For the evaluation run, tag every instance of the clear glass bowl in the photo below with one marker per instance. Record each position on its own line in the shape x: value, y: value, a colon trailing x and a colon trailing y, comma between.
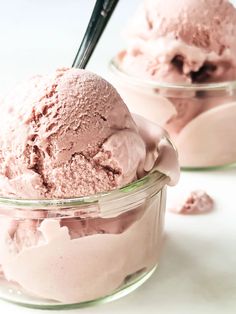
x: 81, y: 251
x: 200, y: 118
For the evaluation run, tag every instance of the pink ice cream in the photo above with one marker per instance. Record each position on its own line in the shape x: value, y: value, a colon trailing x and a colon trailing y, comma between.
x: 59, y: 136
x: 197, y: 202
x: 56, y: 265
x: 186, y: 42
x: 70, y: 134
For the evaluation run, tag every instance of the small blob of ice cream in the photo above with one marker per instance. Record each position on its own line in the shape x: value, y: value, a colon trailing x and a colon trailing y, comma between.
x: 197, y: 202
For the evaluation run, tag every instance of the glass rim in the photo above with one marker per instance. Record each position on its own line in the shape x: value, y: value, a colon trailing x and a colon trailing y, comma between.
x: 136, y: 81
x: 130, y: 189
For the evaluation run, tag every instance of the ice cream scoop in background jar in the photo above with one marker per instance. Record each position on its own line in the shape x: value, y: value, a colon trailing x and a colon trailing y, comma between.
x: 83, y: 188
x: 179, y: 70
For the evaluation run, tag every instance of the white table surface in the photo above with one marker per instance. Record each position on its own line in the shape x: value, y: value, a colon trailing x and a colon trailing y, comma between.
x: 197, y: 272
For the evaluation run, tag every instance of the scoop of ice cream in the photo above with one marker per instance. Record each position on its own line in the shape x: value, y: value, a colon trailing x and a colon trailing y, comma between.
x: 67, y: 134
x: 182, y: 41
x: 55, y: 135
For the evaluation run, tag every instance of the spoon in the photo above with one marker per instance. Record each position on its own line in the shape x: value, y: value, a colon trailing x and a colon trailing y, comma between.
x: 100, y: 16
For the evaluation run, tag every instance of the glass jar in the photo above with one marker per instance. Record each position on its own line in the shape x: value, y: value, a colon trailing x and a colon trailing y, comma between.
x: 200, y: 118
x: 74, y: 252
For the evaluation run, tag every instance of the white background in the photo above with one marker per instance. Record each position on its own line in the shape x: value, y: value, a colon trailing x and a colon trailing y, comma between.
x: 39, y: 36
x: 197, y: 272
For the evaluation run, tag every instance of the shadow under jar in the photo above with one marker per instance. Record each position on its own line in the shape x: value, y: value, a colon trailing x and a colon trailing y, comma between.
x: 81, y: 251
x: 200, y: 118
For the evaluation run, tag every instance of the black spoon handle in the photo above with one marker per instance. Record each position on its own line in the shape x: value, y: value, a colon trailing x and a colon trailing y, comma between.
x: 101, y: 14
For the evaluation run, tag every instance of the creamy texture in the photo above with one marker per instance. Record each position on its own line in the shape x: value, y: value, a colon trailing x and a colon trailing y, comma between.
x: 184, y: 42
